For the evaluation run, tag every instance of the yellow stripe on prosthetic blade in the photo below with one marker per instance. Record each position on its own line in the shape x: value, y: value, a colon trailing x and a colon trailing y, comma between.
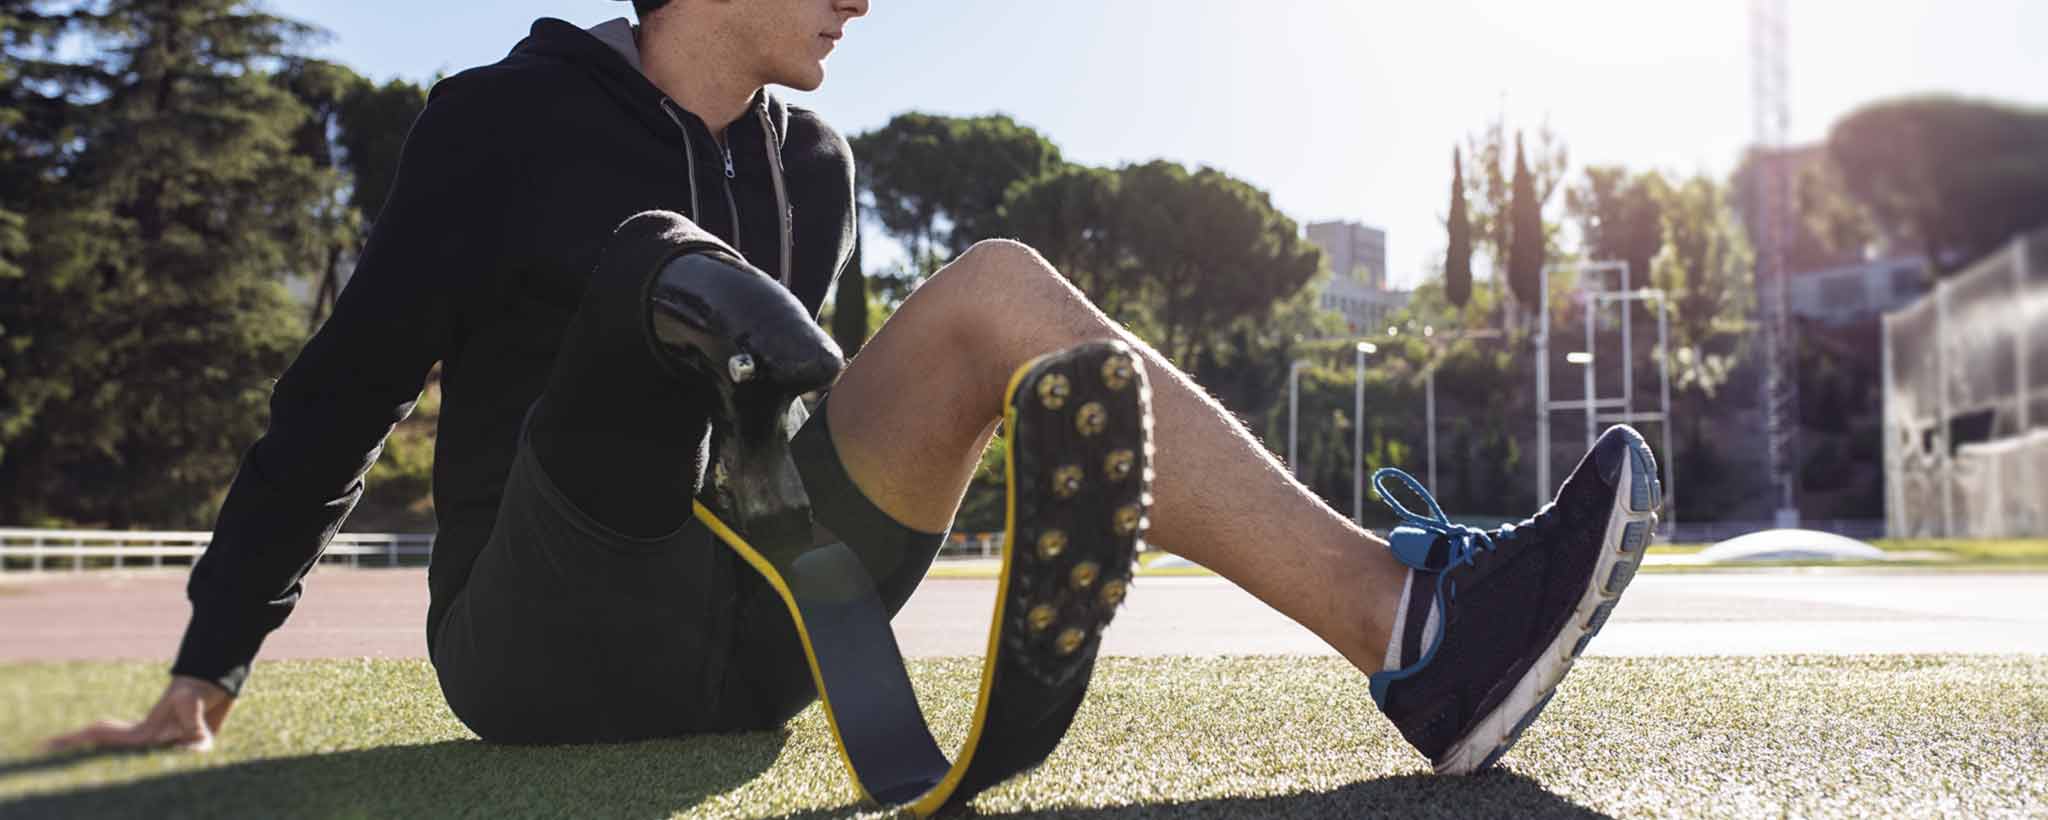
x: 767, y: 569
x: 936, y: 797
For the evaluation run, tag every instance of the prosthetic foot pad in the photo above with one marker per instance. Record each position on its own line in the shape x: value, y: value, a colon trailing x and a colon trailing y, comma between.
x: 1078, y: 428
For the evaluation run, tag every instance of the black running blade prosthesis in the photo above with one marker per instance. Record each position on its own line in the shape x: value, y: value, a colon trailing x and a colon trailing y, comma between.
x: 1078, y: 428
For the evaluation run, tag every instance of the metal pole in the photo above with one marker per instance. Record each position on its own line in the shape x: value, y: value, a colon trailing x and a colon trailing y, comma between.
x: 1628, y: 350
x: 2020, y: 273
x: 1429, y: 412
x: 1664, y: 388
x: 37, y: 565
x: 1358, y: 439
x: 1946, y: 472
x: 1592, y: 306
x: 1894, y: 495
x: 1293, y: 417
x: 1543, y: 392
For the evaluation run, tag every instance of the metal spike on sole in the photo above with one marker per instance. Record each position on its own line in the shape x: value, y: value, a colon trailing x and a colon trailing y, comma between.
x: 1085, y: 524
x: 1053, y: 391
x: 1050, y: 544
x: 1092, y: 419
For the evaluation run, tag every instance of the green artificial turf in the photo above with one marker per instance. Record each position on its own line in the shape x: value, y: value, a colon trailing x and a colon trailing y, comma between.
x: 1252, y: 737
x: 1943, y: 555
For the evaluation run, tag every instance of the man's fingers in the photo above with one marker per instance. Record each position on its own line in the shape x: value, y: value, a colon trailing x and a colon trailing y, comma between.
x: 193, y: 731
x: 104, y: 734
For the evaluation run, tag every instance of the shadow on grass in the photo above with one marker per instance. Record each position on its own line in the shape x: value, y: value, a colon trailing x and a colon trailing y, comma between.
x: 12, y: 768
x: 1502, y: 793
x: 469, y: 778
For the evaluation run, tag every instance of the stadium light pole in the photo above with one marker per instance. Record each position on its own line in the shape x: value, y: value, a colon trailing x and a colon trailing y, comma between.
x: 1358, y: 434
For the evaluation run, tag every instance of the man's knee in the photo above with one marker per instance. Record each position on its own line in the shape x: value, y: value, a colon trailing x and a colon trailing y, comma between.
x: 997, y: 276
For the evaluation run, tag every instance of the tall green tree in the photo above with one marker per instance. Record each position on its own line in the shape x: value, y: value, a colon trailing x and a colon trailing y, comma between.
x: 1828, y: 226
x: 1458, y: 259
x: 1620, y: 216
x: 1706, y: 266
x: 374, y: 121
x: 1212, y: 249
x: 850, y: 305
x: 1957, y: 176
x: 357, y: 128
x: 1068, y: 215
x: 938, y: 182
x: 323, y: 88
x: 151, y: 314
x: 1528, y: 242
x: 1489, y: 188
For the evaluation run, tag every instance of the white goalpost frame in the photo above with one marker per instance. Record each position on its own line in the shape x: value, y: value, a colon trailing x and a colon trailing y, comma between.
x: 1591, y: 403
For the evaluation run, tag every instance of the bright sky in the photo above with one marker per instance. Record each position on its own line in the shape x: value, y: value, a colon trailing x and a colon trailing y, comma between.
x: 1343, y: 109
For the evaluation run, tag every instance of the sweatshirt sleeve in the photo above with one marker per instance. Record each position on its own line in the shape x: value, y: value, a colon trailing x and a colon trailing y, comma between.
x: 441, y: 228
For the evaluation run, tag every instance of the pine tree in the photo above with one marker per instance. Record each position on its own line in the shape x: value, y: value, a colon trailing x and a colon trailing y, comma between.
x: 158, y: 249
x: 1525, y: 251
x: 1458, y: 261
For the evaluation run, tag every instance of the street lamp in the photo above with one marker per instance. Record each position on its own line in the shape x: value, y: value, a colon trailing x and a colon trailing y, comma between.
x: 1358, y: 434
x: 1584, y: 359
x: 1294, y: 415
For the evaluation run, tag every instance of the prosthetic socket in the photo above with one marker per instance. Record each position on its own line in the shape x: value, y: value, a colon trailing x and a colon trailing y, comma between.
x: 729, y: 325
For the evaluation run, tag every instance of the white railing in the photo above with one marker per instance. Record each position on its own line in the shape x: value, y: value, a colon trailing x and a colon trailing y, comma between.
x: 37, y: 550
x: 972, y: 545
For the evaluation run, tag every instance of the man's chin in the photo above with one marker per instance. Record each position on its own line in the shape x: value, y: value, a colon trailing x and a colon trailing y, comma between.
x: 809, y: 78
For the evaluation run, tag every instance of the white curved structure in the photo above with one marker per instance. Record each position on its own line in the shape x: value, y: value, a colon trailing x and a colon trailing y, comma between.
x: 1791, y: 545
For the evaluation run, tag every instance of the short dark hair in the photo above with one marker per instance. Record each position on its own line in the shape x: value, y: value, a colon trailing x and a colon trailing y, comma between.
x: 647, y: 7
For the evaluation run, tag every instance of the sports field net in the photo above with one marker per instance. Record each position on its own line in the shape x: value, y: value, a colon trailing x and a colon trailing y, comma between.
x: 1966, y: 401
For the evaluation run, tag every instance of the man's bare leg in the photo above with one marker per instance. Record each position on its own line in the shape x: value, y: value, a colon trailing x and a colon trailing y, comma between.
x: 913, y: 411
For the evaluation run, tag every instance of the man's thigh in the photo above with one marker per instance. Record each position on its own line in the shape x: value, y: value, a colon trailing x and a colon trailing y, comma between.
x: 568, y: 632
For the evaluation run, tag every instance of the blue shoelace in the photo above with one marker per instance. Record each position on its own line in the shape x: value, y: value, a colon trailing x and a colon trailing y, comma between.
x: 1411, y: 542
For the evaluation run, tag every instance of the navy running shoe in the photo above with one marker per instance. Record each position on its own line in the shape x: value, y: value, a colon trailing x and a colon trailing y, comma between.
x: 1491, y: 620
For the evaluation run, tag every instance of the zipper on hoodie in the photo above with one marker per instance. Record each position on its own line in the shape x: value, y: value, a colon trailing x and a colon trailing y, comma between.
x: 732, y: 205
x: 731, y: 172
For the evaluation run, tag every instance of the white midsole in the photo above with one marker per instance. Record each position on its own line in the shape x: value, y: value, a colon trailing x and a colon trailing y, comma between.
x: 1549, y: 669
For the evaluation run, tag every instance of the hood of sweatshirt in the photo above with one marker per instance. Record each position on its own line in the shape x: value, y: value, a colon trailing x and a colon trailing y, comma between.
x: 609, y: 53
x: 609, y: 57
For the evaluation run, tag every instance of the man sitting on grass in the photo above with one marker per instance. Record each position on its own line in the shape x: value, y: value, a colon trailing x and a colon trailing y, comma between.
x: 574, y: 598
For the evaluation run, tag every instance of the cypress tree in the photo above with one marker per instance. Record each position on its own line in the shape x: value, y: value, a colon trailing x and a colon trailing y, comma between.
x: 850, y: 308
x: 1458, y: 262
x: 152, y: 312
x: 1525, y: 251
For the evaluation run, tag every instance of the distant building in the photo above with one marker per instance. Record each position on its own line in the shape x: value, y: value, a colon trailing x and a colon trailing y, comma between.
x: 1357, y: 287
x: 1828, y: 284
x: 1857, y: 291
x: 1355, y: 251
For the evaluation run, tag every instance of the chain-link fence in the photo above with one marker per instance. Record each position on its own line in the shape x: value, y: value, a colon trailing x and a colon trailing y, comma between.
x: 1966, y: 401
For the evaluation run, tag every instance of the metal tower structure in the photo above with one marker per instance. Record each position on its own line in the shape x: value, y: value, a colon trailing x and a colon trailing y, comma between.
x: 1771, y: 113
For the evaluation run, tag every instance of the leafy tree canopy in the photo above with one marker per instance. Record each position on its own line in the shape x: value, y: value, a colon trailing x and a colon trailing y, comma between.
x: 168, y: 202
x: 1957, y: 176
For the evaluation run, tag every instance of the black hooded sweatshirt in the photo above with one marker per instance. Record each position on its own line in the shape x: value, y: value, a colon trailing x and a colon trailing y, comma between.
x: 511, y: 182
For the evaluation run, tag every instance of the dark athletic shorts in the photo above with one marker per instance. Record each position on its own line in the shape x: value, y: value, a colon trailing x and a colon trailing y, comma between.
x: 569, y: 632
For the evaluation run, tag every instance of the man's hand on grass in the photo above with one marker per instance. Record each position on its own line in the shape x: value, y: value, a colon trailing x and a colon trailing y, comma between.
x: 188, y: 716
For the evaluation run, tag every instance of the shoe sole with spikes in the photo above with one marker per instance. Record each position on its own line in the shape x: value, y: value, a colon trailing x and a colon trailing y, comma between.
x: 1078, y: 429
x: 1638, y: 494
